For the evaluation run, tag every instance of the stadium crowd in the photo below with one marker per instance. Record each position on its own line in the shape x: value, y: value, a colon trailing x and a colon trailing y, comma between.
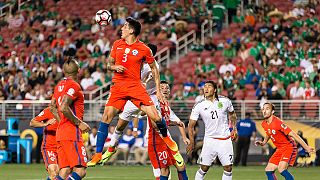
x: 35, y: 41
x: 264, y: 54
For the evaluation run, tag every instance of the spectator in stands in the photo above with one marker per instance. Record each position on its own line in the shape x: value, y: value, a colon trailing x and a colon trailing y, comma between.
x: 139, y: 149
x: 87, y: 81
x: 167, y: 76
x: 97, y: 75
x: 228, y: 81
x: 2, y: 95
x: 276, y: 61
x: 15, y: 95
x: 217, y: 14
x: 316, y: 82
x: 229, y: 51
x: 227, y: 66
x: 13, y: 60
x: 271, y: 50
x: 252, y: 76
x: 209, y: 46
x: 188, y: 84
x: 55, y: 72
x: 92, y: 141
x: 275, y: 95
x: 308, y: 91
x: 296, y: 91
x: 200, y: 97
x: 238, y: 18
x: 263, y: 90
x: 125, y: 144
x: 243, y: 53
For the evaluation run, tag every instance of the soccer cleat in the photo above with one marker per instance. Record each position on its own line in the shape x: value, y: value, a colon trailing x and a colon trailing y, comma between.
x: 107, y: 155
x: 171, y: 143
x: 179, y: 159
x: 96, y: 159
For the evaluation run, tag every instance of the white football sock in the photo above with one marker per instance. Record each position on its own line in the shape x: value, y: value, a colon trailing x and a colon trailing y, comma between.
x: 227, y: 175
x: 200, y: 174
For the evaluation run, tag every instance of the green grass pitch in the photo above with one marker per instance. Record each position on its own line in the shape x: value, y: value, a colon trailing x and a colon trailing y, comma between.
x: 37, y: 172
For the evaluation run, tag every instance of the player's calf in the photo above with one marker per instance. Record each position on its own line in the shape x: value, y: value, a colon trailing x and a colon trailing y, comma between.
x: 53, y: 171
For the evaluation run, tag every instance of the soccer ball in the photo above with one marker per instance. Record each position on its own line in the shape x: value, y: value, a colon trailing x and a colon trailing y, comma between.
x: 103, y: 17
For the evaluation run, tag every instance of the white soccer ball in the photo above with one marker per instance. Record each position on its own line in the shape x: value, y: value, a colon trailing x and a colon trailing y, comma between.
x: 103, y: 17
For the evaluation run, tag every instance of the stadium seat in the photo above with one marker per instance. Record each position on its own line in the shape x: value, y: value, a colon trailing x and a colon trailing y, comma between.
x: 239, y: 94
x: 295, y: 110
x: 249, y: 87
x: 311, y: 110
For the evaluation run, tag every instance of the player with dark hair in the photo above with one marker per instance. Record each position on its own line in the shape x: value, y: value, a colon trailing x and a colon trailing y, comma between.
x: 68, y: 105
x: 215, y: 112
x: 126, y: 58
x: 49, y: 144
x: 283, y: 138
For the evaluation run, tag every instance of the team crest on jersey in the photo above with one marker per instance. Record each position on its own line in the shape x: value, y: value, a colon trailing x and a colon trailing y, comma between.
x: 273, y: 131
x: 164, y: 162
x: 70, y: 92
x: 220, y: 105
x: 135, y: 52
x: 127, y: 50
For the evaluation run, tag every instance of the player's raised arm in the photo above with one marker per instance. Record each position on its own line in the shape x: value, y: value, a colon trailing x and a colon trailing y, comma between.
x: 66, y: 111
x: 38, y: 121
x: 54, y: 109
x: 156, y: 76
x: 301, y: 141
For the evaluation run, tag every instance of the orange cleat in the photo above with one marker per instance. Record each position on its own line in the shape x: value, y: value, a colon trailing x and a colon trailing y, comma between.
x: 96, y: 159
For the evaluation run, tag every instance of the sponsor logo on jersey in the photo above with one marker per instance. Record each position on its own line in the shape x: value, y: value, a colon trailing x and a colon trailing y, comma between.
x: 127, y: 50
x: 135, y: 52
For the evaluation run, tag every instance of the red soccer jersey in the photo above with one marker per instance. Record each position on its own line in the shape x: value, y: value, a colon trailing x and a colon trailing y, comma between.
x: 66, y: 129
x: 131, y: 57
x: 278, y: 133
x: 153, y: 135
x: 49, y: 132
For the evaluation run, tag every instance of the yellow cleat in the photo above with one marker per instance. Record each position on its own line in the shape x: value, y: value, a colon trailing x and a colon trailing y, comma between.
x: 96, y: 159
x: 179, y: 159
x: 107, y: 155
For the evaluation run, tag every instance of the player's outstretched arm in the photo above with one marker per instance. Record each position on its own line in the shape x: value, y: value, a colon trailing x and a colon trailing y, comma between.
x: 66, y: 111
x: 262, y: 143
x: 191, y: 126
x: 156, y: 76
x: 301, y: 142
x: 35, y: 123
x: 54, y: 109
x: 181, y: 127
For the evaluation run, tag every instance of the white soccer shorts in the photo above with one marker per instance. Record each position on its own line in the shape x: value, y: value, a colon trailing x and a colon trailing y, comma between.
x: 130, y: 110
x: 213, y: 148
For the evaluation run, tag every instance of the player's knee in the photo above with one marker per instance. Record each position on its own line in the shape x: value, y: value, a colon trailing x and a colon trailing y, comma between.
x: 107, y: 117
x: 228, y: 168
x: 281, y: 169
x: 165, y: 171
x: 204, y: 168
